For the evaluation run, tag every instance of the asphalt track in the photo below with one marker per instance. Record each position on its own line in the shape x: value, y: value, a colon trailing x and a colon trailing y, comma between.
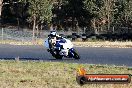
x: 109, y: 56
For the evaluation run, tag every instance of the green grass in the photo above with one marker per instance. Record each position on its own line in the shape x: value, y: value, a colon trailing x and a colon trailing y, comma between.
x: 33, y: 74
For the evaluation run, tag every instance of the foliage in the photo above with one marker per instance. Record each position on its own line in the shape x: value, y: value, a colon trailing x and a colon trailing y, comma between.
x: 100, y: 14
x: 13, y: 10
x: 41, y: 9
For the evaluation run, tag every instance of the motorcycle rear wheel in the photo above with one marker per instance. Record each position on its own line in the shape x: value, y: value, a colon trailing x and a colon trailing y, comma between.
x: 57, y: 56
x: 76, y: 55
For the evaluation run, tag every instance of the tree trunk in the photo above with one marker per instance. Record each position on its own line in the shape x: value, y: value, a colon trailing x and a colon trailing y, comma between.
x: 113, y: 31
x: 18, y: 24
x: 94, y: 26
x: 41, y: 26
x: 0, y: 9
x: 37, y: 30
x: 1, y: 6
x: 34, y: 25
x: 108, y: 14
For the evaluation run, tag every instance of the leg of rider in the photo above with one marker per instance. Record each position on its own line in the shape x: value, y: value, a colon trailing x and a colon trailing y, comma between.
x: 50, y: 44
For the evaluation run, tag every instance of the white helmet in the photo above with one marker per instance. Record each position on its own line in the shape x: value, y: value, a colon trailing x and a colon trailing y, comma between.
x: 53, y: 33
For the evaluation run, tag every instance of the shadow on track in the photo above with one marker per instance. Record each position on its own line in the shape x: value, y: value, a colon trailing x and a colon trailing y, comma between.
x: 40, y: 59
x: 63, y: 59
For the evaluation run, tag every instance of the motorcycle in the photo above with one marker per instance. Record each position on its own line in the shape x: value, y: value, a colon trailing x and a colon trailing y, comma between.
x: 63, y: 48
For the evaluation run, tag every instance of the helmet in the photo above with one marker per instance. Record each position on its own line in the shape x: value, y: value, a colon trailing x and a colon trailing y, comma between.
x: 53, y: 33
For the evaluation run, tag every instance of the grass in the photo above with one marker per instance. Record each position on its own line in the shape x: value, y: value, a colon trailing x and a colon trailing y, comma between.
x: 115, y: 44
x: 14, y: 42
x: 33, y: 74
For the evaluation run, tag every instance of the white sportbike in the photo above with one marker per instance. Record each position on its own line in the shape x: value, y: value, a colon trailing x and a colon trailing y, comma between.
x: 62, y: 48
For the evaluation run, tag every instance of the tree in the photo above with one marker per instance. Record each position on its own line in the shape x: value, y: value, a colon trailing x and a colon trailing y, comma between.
x: 98, y: 11
x: 21, y: 11
x: 71, y: 13
x: 14, y: 12
x: 40, y: 11
x: 127, y: 14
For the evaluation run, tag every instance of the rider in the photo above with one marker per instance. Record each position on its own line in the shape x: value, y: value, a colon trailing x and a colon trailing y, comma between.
x: 53, y: 37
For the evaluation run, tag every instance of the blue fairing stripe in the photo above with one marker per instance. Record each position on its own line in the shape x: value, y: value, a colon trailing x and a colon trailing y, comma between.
x: 72, y: 49
x: 62, y: 41
x: 57, y: 44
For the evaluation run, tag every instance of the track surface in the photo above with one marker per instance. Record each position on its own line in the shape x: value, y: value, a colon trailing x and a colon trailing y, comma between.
x: 110, y: 56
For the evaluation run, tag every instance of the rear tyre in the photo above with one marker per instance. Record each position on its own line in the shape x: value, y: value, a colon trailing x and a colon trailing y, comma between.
x: 57, y: 56
x: 76, y: 55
